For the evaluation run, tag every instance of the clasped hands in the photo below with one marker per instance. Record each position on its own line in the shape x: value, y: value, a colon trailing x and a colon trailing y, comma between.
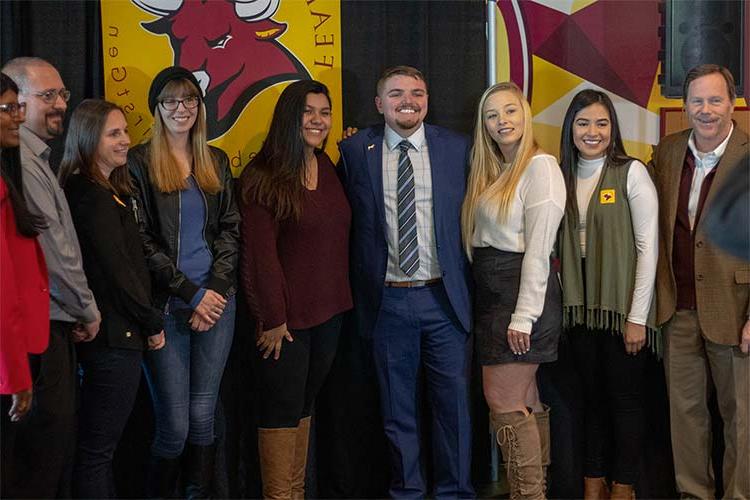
x: 208, y: 311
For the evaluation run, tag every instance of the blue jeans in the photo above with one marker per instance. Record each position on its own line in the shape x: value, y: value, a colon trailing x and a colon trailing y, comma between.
x: 184, y: 378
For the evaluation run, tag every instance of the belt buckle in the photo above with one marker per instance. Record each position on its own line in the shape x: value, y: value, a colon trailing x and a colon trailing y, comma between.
x: 412, y: 284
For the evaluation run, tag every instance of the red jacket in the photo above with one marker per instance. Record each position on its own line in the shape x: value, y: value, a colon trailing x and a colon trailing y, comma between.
x: 24, y: 301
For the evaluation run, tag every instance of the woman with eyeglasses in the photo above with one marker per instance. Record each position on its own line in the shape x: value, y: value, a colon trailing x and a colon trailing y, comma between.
x: 98, y: 189
x: 24, y: 292
x: 190, y: 227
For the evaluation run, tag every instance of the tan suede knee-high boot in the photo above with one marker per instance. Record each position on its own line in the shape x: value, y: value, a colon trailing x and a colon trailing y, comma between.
x: 518, y: 437
x: 276, y: 450
x: 299, y: 466
x: 542, y: 425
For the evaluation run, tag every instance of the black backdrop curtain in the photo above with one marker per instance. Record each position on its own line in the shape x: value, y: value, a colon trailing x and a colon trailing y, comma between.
x: 446, y: 40
x: 66, y: 33
x: 442, y: 38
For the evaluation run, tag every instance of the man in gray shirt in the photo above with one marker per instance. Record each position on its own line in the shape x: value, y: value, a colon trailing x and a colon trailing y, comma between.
x: 45, y: 441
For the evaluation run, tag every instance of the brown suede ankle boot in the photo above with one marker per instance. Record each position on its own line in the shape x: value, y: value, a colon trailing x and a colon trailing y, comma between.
x: 622, y: 491
x: 595, y: 488
x: 299, y: 466
x: 276, y: 450
x: 542, y: 425
x: 516, y: 433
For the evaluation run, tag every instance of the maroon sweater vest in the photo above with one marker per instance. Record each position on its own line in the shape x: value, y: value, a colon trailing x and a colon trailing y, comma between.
x: 683, y: 257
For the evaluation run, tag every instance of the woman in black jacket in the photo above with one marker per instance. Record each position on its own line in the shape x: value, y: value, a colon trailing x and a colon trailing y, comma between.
x: 97, y: 186
x: 190, y: 227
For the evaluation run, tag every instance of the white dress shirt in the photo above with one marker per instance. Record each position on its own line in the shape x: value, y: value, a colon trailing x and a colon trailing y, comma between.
x: 429, y: 267
x: 704, y: 164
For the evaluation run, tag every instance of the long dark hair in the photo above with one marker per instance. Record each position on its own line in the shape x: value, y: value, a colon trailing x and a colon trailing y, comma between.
x: 615, y: 154
x: 273, y: 178
x: 84, y: 133
x: 28, y: 223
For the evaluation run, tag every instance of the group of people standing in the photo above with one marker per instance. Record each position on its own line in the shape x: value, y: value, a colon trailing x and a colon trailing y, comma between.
x: 427, y: 237
x: 141, y: 248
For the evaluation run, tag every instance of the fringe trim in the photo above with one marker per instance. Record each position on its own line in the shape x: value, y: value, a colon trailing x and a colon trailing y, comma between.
x: 608, y: 320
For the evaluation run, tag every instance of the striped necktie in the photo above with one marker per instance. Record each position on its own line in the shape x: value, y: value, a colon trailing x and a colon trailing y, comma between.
x: 408, y: 246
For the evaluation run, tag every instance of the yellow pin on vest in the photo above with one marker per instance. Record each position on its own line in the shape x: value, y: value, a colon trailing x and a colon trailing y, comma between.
x: 606, y: 196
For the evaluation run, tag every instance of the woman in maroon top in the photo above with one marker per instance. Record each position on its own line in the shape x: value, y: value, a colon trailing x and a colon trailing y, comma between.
x: 294, y: 272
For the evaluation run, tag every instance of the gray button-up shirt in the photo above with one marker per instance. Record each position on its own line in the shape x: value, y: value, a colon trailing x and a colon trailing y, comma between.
x: 70, y: 296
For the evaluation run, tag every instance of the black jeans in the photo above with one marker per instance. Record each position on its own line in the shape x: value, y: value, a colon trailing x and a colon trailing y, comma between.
x: 44, y: 441
x: 288, y: 385
x: 612, y: 383
x: 353, y: 461
x: 109, y: 385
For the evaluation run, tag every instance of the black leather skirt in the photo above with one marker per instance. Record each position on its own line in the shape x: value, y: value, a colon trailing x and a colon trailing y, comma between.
x: 497, y: 278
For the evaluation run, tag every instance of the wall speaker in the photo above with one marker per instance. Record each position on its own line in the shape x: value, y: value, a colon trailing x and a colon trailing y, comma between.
x: 700, y: 32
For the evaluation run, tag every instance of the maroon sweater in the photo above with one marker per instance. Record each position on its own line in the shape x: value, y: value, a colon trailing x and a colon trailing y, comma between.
x: 683, y: 254
x: 297, y: 271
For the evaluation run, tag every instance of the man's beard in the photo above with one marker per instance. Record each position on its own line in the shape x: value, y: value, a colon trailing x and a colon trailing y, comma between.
x: 409, y: 123
x: 55, y: 130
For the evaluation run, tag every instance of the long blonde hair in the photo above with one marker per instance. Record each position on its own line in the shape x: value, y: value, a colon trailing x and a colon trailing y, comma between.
x: 165, y: 173
x: 485, y: 178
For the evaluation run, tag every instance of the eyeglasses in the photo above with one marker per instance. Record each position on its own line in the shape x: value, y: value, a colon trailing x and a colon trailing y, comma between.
x: 190, y: 102
x: 14, y: 109
x: 50, y: 96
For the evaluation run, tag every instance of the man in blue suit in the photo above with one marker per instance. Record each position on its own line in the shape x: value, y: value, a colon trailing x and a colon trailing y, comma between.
x: 410, y: 279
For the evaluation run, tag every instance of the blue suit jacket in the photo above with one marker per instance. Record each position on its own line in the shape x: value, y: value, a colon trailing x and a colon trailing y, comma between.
x: 362, y: 163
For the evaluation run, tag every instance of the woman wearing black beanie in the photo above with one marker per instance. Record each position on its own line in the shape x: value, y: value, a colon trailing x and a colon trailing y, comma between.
x: 190, y: 227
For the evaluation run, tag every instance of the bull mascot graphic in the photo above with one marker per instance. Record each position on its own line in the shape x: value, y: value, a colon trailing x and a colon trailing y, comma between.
x: 230, y: 46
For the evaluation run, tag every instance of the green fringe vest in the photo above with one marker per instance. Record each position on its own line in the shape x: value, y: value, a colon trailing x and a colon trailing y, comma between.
x: 610, y: 260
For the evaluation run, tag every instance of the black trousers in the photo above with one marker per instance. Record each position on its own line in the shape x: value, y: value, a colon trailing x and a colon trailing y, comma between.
x: 109, y: 385
x: 44, y: 441
x: 560, y: 388
x: 613, y: 386
x: 353, y: 460
x: 288, y: 385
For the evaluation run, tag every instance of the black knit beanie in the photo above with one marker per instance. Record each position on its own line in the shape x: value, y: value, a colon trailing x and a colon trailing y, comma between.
x: 164, y: 77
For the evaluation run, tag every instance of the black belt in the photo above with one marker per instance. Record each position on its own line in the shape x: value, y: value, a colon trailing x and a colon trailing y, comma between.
x: 413, y: 284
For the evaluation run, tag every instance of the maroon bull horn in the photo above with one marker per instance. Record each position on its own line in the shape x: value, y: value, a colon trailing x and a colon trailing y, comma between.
x: 255, y: 10
x: 159, y: 7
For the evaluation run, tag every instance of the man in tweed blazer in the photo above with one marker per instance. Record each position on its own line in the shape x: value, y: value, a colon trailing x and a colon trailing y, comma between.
x: 703, y: 293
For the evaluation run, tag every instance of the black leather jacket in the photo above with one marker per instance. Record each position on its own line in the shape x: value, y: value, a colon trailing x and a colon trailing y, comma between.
x: 159, y: 218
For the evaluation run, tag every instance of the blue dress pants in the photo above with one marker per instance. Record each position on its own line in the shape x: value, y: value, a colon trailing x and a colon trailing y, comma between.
x: 417, y: 330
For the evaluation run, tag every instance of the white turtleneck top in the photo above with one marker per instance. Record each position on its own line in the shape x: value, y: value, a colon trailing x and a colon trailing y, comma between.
x: 530, y: 228
x: 644, y: 211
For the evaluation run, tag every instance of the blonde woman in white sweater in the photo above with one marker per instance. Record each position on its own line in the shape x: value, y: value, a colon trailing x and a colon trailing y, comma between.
x: 514, y: 203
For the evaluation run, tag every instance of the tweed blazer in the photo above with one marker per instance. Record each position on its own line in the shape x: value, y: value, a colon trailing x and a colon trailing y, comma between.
x: 722, y: 282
